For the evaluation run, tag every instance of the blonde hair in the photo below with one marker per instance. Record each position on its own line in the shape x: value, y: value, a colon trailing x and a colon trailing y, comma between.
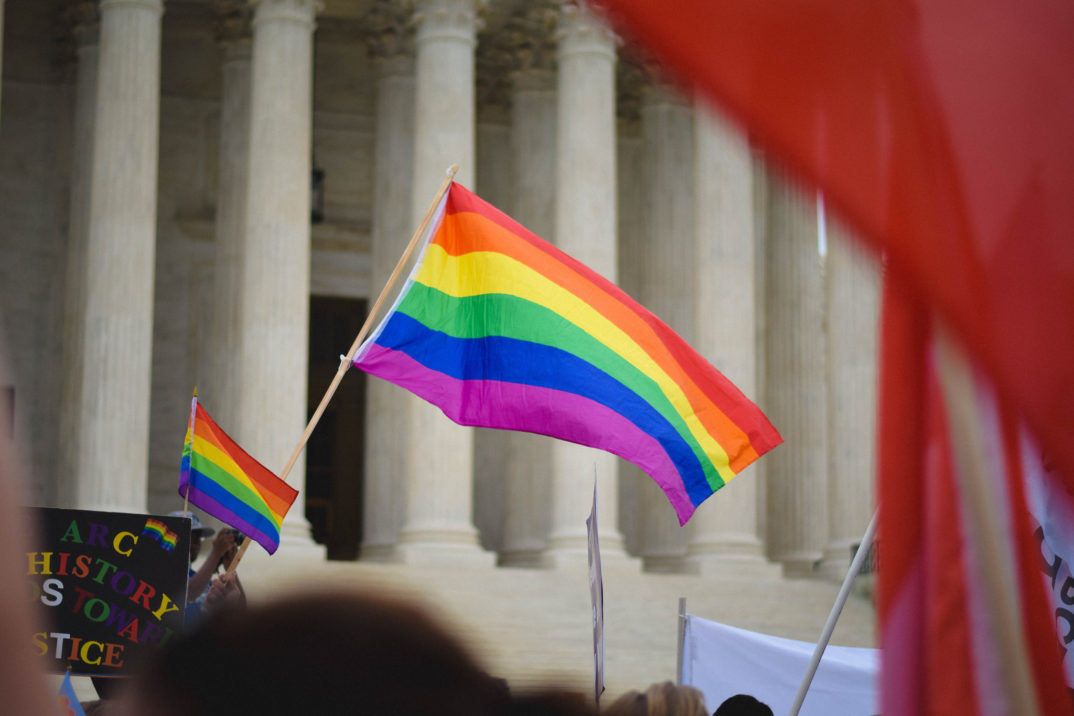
x: 662, y: 699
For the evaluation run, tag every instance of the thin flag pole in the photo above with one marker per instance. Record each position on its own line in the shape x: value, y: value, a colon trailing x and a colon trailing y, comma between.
x: 682, y: 640
x: 345, y: 361
x: 837, y: 609
x: 193, y: 410
x: 596, y: 593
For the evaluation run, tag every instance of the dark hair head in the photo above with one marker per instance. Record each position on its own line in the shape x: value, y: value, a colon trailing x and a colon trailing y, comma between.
x: 742, y: 705
x: 325, y: 653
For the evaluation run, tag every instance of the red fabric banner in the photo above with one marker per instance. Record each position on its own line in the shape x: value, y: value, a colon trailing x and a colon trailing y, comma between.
x: 943, y: 130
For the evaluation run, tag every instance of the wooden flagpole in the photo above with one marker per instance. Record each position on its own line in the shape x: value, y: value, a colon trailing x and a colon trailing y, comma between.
x: 984, y: 520
x: 345, y: 361
x: 186, y: 495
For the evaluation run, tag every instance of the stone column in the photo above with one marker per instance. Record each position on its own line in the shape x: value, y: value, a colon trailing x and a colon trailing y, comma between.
x: 796, y: 396
x: 585, y: 227
x: 492, y: 151
x: 723, y: 533
x: 760, y: 297
x: 630, y: 79
x: 495, y: 184
x: 392, y: 47
x: 668, y: 284
x: 528, y: 466
x: 274, y: 308
x: 444, y: 110
x: 221, y: 388
x: 853, y: 307
x: 439, y: 459
x: 86, y: 32
x: 120, y: 251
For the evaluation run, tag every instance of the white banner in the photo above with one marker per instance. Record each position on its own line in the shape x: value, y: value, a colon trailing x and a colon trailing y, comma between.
x: 722, y: 661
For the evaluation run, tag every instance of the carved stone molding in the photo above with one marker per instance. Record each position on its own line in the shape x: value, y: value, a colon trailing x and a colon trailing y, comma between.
x: 300, y: 11
x: 631, y: 77
x: 85, y: 21
x: 531, y: 34
x: 233, y: 24
x: 389, y: 33
x: 448, y: 18
x: 579, y: 30
x: 78, y: 25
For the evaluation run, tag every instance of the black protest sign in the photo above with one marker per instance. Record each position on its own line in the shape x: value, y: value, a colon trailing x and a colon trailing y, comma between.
x: 112, y: 584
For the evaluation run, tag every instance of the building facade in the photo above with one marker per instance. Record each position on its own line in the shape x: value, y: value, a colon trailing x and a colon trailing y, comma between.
x: 213, y: 193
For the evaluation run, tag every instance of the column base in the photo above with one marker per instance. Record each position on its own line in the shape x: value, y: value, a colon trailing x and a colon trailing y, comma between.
x: 746, y: 566
x: 663, y: 563
x: 376, y: 552
x: 532, y: 557
x: 730, y: 554
x: 432, y: 544
x: 296, y: 539
x: 570, y: 551
x: 305, y: 549
x: 258, y: 569
x: 435, y: 553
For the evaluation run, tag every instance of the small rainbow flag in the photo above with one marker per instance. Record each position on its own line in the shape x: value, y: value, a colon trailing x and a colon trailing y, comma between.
x: 160, y: 532
x: 67, y: 699
x: 219, y: 477
x: 500, y: 329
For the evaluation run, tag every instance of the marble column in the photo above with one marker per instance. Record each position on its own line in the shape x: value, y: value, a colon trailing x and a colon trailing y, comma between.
x: 221, y: 385
x: 668, y: 284
x: 796, y: 394
x: 723, y: 533
x: 853, y: 310
x: 86, y: 33
x: 275, y: 260
x: 493, y: 158
x: 439, y: 453
x: 631, y: 77
x: 120, y: 252
x: 393, y: 156
x: 585, y: 227
x: 527, y: 491
x: 495, y: 184
x: 759, y: 469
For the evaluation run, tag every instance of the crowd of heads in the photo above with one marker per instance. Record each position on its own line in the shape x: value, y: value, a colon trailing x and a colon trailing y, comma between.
x: 327, y: 652
x: 668, y: 699
x: 335, y: 652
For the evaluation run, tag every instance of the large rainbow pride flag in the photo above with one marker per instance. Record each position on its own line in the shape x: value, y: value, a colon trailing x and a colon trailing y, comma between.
x: 500, y: 329
x: 219, y: 477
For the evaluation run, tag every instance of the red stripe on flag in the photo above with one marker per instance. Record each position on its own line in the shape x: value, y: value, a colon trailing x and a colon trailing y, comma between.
x: 277, y: 493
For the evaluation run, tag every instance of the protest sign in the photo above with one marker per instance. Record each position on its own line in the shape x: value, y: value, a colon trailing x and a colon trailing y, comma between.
x: 112, y: 587
x: 1052, y: 510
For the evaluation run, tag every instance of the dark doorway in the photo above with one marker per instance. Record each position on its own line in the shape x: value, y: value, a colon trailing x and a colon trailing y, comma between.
x: 336, y: 448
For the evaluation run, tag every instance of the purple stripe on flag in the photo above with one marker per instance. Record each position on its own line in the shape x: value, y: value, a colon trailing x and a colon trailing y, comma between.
x: 227, y: 516
x: 513, y: 406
